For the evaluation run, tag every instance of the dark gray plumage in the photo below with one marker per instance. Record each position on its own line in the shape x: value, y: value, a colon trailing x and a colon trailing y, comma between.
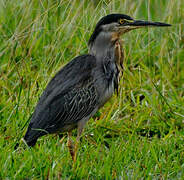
x: 71, y: 98
x: 81, y: 87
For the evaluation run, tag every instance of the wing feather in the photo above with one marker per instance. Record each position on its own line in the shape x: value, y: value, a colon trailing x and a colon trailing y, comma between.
x: 69, y: 97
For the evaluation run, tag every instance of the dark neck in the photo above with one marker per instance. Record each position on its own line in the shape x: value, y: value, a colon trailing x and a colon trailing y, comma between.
x: 106, y: 46
x: 102, y: 47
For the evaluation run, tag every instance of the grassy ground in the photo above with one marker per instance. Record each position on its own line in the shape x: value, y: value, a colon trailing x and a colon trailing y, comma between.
x: 136, y: 135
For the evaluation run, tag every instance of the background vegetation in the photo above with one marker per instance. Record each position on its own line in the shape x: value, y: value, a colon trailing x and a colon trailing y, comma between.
x: 138, y: 134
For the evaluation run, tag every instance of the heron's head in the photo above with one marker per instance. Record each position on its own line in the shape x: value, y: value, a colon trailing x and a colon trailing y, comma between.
x: 114, y: 25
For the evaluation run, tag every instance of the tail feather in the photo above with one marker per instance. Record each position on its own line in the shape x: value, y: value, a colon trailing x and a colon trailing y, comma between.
x: 31, y: 136
x: 30, y: 140
x: 31, y: 143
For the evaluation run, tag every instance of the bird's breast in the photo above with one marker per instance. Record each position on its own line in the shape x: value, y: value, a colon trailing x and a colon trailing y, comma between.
x: 106, y: 94
x: 107, y: 81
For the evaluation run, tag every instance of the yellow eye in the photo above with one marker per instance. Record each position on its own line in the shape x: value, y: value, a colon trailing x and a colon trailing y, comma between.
x: 121, y: 21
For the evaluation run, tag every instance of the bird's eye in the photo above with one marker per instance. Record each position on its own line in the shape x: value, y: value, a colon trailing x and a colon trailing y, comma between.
x: 121, y: 21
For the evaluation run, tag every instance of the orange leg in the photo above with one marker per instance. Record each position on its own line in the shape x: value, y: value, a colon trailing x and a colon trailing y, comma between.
x: 70, y: 145
x: 79, y: 132
x: 73, y: 149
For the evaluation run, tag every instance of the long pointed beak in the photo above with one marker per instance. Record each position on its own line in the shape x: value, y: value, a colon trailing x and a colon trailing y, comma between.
x: 139, y: 23
x: 135, y: 24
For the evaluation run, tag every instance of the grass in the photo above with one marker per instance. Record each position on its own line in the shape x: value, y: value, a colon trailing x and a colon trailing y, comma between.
x: 136, y: 135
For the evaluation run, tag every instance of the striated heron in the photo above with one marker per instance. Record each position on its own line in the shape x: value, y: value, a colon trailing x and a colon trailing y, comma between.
x: 85, y: 84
